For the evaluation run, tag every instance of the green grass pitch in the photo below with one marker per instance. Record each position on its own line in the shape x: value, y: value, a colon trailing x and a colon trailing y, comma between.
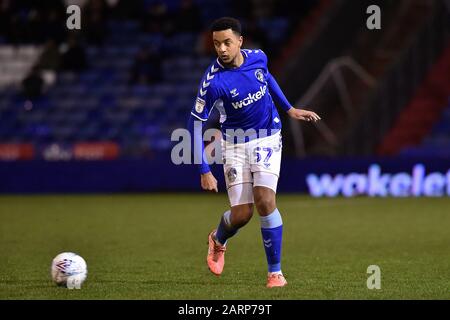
x: 154, y: 247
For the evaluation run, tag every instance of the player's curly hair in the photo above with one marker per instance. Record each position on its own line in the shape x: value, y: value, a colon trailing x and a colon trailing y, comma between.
x: 226, y: 23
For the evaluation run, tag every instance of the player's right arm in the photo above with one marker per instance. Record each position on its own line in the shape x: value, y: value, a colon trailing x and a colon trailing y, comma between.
x: 207, y: 179
x: 206, y: 98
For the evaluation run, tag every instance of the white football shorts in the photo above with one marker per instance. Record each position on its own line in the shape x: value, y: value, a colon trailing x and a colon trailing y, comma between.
x: 252, y: 164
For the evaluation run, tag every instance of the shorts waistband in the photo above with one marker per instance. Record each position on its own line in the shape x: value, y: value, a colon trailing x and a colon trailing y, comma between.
x: 237, y: 138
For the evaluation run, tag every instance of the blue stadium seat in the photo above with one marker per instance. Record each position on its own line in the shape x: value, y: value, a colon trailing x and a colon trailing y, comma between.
x: 275, y: 28
x: 87, y: 133
x: 99, y: 103
x: 89, y: 77
x: 140, y: 91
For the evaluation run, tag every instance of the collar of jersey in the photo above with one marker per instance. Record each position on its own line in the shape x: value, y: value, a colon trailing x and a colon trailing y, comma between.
x: 244, y: 55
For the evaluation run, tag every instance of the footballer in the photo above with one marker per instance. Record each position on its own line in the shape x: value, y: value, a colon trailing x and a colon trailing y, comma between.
x: 239, y: 85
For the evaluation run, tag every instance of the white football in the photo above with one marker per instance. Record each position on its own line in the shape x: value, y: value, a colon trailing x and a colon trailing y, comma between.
x: 69, y: 269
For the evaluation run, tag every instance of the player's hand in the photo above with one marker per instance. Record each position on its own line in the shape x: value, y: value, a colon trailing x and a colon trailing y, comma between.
x: 304, y: 115
x: 209, y: 183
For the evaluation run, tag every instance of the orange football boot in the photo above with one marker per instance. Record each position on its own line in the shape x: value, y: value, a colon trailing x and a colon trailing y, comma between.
x: 216, y: 255
x: 276, y: 280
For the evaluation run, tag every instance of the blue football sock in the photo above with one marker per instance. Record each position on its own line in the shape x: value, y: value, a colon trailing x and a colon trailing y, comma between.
x: 272, y: 233
x: 225, y: 230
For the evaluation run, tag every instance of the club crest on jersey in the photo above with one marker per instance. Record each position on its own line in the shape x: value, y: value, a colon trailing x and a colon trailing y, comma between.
x: 199, y: 105
x: 232, y: 174
x: 259, y: 75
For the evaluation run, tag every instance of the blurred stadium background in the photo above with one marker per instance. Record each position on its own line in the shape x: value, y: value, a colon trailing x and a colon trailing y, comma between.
x: 115, y: 90
x: 93, y: 110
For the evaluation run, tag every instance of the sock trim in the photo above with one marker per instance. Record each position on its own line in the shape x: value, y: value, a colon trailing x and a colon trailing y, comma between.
x: 271, y: 221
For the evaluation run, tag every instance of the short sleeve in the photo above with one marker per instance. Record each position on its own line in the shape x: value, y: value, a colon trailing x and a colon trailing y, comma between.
x: 206, y: 98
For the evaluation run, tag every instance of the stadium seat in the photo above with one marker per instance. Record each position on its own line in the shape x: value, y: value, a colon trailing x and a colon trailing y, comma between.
x: 100, y: 102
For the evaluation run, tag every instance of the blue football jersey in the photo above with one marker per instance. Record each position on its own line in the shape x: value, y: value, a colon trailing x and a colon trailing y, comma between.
x: 241, y: 95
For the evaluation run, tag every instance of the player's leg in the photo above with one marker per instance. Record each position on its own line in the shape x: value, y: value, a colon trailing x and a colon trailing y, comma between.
x: 266, y: 168
x: 241, y: 200
x: 239, y: 181
x: 234, y: 219
x: 264, y: 197
x: 271, y: 225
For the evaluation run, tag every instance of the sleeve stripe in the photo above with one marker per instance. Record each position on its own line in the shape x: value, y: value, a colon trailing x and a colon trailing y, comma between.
x: 199, y: 117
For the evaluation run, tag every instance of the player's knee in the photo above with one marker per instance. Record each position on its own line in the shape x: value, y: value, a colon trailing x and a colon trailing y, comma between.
x: 265, y: 205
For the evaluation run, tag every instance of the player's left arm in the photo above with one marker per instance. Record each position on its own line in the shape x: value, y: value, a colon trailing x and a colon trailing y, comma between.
x: 280, y: 98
